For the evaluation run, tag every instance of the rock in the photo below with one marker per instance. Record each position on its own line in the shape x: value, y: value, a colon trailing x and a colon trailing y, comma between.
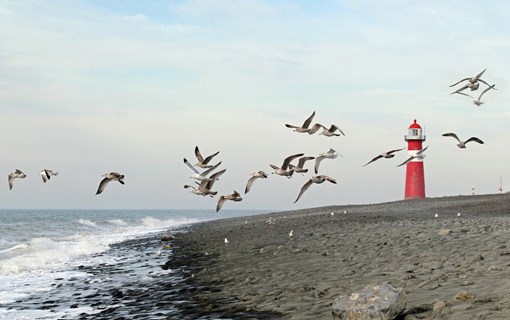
x: 381, y: 302
x: 464, y: 296
x: 444, y: 232
x: 167, y: 237
x: 438, y: 307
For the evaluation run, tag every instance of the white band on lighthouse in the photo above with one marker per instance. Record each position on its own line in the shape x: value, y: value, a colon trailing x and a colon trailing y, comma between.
x: 413, y: 153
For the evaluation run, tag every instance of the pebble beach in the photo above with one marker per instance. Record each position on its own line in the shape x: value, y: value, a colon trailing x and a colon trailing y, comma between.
x: 451, y: 255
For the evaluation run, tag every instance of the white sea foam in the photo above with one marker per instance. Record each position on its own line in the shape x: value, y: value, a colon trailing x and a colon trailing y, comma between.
x: 118, y: 222
x: 86, y: 222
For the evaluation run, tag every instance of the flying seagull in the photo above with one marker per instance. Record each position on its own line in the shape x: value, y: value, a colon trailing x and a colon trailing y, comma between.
x: 254, y: 176
x: 462, y: 144
x: 316, y: 179
x: 478, y: 101
x: 284, y: 169
x: 204, y: 187
x: 331, y: 154
x: 203, y: 163
x: 112, y: 176
x: 16, y: 174
x: 471, y: 84
x: 387, y: 155
x: 331, y: 131
x: 304, y: 128
x: 200, y: 176
x: 418, y: 155
x: 235, y: 196
x: 301, y: 162
x: 47, y: 173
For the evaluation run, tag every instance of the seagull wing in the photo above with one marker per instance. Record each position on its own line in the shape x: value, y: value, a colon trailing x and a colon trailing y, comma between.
x: 206, y: 161
x: 307, y: 122
x: 451, y: 134
x: 102, y: 185
x: 291, y: 126
x: 303, y: 189
x: 486, y: 89
x: 333, y: 128
x: 47, y: 173
x: 190, y: 166
x: 220, y: 203
x: 206, y: 172
x: 330, y: 179
x: 302, y: 161
x: 483, y: 81
x: 249, y: 184
x: 456, y: 83
x: 315, y: 128
x: 209, y: 183
x: 419, y: 153
x: 475, y: 139
x: 374, y: 159
x: 407, y: 160
x: 198, y: 155
x: 393, y: 151
x: 461, y: 89
x: 10, y: 179
x: 480, y: 74
x: 287, y: 160
x: 317, y: 163
x: 43, y: 175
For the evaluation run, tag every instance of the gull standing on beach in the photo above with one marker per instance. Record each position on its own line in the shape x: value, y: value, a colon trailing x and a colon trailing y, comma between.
x: 203, y: 163
x: 299, y: 168
x: 15, y: 175
x: 471, y: 84
x: 254, y: 176
x: 47, y: 173
x: 462, y: 144
x: 330, y: 132
x: 112, y: 176
x: 304, y: 128
x: 235, y: 196
x: 204, y: 187
x: 478, y: 101
x: 316, y: 179
x: 284, y: 169
x: 387, y: 155
x: 418, y: 155
x: 200, y: 176
x: 331, y: 154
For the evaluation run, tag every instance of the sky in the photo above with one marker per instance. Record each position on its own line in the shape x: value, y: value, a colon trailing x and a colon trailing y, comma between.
x: 89, y: 87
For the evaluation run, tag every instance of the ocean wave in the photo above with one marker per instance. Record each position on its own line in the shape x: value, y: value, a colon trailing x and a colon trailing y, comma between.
x: 86, y: 222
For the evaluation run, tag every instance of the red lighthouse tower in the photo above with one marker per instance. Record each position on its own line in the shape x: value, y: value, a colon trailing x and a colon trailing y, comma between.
x: 415, y: 181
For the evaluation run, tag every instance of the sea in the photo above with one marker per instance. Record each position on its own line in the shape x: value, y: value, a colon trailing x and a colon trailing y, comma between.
x: 91, y: 264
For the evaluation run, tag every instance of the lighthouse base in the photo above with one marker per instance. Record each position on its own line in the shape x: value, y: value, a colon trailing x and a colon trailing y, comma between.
x: 415, y: 181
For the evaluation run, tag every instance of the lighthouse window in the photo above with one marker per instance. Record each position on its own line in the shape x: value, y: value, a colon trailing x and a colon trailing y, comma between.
x: 415, y: 132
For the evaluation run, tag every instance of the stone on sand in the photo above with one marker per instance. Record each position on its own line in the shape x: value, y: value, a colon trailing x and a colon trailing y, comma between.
x: 382, y: 301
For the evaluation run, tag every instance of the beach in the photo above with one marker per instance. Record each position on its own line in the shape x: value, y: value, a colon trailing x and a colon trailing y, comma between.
x: 450, y: 266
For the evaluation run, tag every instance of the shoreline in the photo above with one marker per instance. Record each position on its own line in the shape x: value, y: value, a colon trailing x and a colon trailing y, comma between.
x: 264, y: 272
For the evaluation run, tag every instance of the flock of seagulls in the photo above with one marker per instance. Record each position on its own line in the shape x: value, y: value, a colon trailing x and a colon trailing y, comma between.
x: 473, y: 83
x: 294, y: 163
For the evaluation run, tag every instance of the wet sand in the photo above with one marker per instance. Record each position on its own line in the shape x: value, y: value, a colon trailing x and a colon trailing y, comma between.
x: 264, y: 270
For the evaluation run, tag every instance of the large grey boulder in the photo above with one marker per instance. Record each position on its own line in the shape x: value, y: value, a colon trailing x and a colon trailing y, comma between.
x: 381, y: 302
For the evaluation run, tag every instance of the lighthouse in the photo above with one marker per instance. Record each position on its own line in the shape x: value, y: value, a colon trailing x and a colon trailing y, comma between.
x: 415, y: 181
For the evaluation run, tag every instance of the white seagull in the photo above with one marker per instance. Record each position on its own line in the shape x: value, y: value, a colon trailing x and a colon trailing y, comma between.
x: 418, y: 155
x: 478, y: 101
x: 46, y: 174
x: 203, y: 163
x: 462, y: 144
x: 304, y: 128
x: 331, y: 154
x: 235, y: 196
x: 387, y: 155
x: 299, y: 168
x: 471, y: 84
x: 254, y: 176
x: 200, y: 176
x: 16, y: 174
x: 284, y: 169
x: 316, y: 179
x: 112, y: 176
x: 204, y: 187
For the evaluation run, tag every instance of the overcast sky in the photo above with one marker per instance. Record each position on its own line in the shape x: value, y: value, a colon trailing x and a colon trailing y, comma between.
x: 88, y: 87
